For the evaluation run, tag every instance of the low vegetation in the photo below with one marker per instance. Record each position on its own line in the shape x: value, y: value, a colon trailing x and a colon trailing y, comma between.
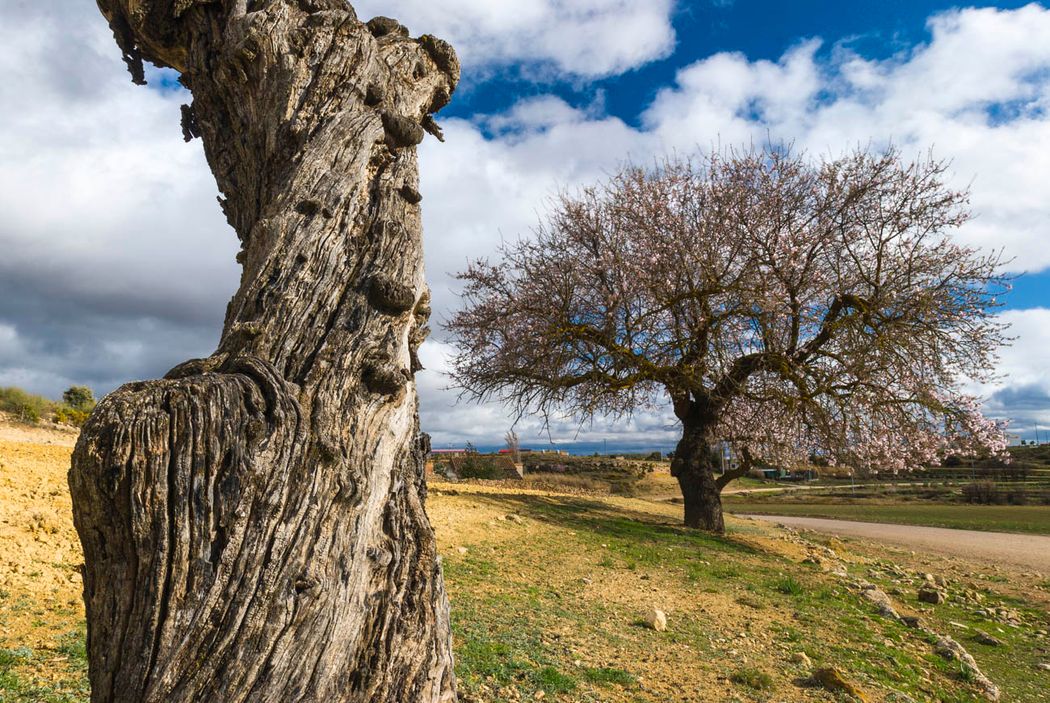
x: 617, y: 476
x: 549, y: 597
x: 74, y: 408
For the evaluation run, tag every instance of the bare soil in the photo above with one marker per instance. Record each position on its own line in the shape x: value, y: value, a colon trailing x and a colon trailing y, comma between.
x: 1026, y: 551
x: 549, y: 594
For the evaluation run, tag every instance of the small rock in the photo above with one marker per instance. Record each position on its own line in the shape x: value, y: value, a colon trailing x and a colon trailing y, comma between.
x: 802, y: 659
x: 462, y: 550
x: 832, y: 680
x: 933, y: 596
x: 986, y: 639
x: 656, y: 619
x: 953, y: 651
x: 912, y: 621
x: 1045, y: 666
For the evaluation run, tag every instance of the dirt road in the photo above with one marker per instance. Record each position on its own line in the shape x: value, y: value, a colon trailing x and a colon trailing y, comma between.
x: 1027, y: 551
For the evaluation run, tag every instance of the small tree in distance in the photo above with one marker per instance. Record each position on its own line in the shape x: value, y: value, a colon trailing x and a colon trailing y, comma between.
x: 786, y: 307
x: 79, y: 398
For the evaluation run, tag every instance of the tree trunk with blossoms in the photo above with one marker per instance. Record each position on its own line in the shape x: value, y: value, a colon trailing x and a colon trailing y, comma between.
x: 786, y: 308
x: 253, y: 525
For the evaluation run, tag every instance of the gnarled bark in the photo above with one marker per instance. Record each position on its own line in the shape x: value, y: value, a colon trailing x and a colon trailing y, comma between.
x: 694, y: 466
x: 253, y: 524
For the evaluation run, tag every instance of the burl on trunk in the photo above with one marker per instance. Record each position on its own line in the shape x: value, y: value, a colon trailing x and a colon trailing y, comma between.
x: 253, y: 524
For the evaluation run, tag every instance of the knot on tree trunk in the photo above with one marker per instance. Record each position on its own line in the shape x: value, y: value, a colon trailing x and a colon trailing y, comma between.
x: 385, y: 26
x: 385, y: 377
x: 443, y: 55
x: 391, y: 295
x: 401, y: 131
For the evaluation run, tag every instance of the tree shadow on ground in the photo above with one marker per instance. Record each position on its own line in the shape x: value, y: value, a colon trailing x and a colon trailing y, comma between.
x: 599, y: 520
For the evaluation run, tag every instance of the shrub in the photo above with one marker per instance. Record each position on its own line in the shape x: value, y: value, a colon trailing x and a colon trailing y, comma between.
x: 66, y: 415
x: 1016, y: 495
x: 477, y: 468
x: 24, y: 406
x: 982, y: 493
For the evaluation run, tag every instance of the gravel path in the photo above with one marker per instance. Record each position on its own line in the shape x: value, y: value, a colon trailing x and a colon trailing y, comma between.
x: 1028, y: 551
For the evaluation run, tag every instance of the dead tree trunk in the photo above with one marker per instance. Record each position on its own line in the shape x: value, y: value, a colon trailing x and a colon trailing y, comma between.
x: 253, y: 525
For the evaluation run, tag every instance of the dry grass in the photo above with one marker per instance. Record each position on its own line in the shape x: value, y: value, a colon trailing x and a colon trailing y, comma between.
x: 552, y: 599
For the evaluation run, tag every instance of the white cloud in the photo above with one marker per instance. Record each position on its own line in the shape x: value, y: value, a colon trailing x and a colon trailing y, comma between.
x: 1026, y: 361
x: 1023, y: 393
x: 450, y: 424
x: 115, y: 262
x: 587, y: 38
x: 978, y: 92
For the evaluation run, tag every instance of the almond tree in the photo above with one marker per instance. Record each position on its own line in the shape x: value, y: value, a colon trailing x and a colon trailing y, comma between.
x: 253, y: 525
x: 785, y: 306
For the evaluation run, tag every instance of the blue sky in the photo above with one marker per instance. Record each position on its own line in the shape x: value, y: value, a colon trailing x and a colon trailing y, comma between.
x: 759, y: 29
x: 117, y: 263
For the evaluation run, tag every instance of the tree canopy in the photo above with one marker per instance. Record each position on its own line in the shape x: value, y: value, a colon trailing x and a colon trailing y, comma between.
x: 784, y: 305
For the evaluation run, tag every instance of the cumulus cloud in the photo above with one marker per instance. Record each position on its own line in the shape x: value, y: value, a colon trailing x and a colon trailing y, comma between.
x: 115, y: 262
x: 587, y: 38
x: 978, y: 93
x: 1023, y: 391
x: 451, y: 423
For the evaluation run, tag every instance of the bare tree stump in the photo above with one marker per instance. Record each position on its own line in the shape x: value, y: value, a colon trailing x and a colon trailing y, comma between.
x: 253, y: 525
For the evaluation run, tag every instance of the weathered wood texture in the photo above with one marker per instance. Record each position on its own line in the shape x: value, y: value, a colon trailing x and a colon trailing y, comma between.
x: 253, y: 524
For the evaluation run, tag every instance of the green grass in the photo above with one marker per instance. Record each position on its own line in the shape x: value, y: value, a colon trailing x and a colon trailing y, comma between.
x: 16, y: 686
x: 501, y: 641
x: 752, y: 678
x: 523, y: 625
x: 1012, y: 666
x: 1029, y: 519
x: 608, y: 676
x: 789, y: 586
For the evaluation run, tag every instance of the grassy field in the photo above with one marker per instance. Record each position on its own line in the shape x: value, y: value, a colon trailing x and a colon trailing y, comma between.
x: 1029, y: 519
x: 549, y: 594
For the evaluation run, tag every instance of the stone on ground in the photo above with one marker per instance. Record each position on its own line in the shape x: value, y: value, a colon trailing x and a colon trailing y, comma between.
x: 656, y: 619
x: 832, y: 680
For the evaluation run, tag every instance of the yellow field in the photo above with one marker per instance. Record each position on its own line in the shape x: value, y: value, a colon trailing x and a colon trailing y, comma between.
x: 549, y: 593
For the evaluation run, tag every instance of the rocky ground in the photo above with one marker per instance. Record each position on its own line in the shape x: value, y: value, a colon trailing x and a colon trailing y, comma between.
x: 555, y: 597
